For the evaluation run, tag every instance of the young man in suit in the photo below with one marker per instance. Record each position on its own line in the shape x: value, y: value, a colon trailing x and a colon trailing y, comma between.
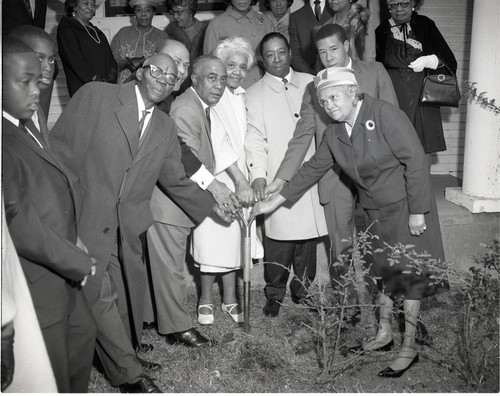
x: 54, y: 259
x: 291, y: 233
x: 44, y: 47
x: 334, y: 190
x: 303, y: 22
x: 119, y: 145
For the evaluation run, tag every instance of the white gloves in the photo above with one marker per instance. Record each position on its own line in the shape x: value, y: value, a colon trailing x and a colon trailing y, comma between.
x: 429, y: 62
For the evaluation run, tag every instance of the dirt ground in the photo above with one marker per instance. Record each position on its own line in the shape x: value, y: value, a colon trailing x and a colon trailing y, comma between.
x: 278, y: 355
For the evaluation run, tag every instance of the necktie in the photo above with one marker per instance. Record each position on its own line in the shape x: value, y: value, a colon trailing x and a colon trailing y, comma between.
x: 141, y: 122
x: 207, y: 112
x: 317, y: 9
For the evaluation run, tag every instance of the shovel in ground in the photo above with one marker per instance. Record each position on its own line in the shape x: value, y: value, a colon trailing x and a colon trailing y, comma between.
x: 247, y: 268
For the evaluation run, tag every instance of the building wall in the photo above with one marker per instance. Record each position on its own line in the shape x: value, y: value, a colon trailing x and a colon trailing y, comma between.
x: 453, y: 18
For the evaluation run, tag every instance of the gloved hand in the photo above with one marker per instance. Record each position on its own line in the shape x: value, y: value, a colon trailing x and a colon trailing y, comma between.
x: 7, y: 355
x: 429, y: 62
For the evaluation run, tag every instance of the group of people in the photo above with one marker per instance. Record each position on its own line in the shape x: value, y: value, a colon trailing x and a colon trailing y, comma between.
x: 135, y: 175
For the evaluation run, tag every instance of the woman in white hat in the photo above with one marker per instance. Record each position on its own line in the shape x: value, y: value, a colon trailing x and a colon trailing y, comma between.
x: 133, y: 44
x: 84, y: 49
x: 376, y: 145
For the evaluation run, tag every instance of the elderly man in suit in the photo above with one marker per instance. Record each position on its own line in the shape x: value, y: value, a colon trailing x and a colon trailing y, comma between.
x: 168, y: 236
x: 291, y: 232
x: 44, y: 230
x: 303, y: 22
x: 119, y: 145
x: 334, y: 190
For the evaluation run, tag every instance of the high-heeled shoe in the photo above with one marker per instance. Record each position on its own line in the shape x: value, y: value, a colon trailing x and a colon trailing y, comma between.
x: 390, y: 373
x: 206, y: 319
x: 358, y: 349
x: 232, y: 310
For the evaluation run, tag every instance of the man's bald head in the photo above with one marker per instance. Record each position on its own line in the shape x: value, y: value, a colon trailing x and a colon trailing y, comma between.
x: 180, y: 55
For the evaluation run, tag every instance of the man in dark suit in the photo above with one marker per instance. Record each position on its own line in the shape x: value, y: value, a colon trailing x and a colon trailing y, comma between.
x: 119, y: 145
x: 334, y: 190
x: 23, y: 12
x: 55, y: 261
x: 303, y: 22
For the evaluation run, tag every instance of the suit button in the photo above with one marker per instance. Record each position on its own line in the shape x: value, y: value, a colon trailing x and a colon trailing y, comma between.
x: 105, y: 230
x: 251, y: 165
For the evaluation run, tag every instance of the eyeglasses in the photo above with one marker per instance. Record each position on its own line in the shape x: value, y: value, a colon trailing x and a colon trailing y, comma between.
x: 178, y: 11
x: 402, y: 4
x: 156, y: 72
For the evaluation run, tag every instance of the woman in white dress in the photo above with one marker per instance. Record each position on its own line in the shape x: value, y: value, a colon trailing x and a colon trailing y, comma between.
x: 216, y: 247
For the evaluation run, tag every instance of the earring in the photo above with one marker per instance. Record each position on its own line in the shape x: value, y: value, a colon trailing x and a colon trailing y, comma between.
x: 73, y: 14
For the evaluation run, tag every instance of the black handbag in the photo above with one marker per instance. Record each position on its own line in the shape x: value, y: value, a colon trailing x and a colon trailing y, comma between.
x: 440, y: 90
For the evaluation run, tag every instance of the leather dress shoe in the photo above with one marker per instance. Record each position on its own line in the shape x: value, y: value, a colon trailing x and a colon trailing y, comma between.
x: 190, y: 338
x: 390, y: 373
x: 358, y: 349
x: 143, y: 348
x: 148, y: 325
x: 149, y: 366
x: 144, y: 385
x: 272, y: 308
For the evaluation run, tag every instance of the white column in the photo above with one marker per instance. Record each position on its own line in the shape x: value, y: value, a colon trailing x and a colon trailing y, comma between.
x: 481, y: 182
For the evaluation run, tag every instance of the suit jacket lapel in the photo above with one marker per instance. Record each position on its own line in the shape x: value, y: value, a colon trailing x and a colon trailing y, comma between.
x: 127, y: 117
x: 197, y: 100
x: 19, y: 134
x: 42, y: 121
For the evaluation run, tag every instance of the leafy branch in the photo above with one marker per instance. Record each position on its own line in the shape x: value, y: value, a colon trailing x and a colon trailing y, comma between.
x: 469, y: 91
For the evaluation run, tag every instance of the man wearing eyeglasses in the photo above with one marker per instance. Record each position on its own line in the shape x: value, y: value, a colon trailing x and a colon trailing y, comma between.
x: 119, y: 145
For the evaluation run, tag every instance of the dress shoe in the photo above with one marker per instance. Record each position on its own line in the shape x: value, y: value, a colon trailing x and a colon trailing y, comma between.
x: 190, y: 338
x: 233, y: 310
x: 358, y: 349
x: 204, y: 318
x: 272, y: 308
x: 148, y: 325
x: 143, y: 348
x: 144, y: 385
x: 149, y: 366
x: 390, y: 373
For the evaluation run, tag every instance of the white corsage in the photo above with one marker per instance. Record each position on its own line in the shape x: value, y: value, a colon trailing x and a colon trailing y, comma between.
x: 370, y: 125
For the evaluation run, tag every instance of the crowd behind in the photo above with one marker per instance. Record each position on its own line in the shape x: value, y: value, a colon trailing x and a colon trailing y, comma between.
x: 169, y: 137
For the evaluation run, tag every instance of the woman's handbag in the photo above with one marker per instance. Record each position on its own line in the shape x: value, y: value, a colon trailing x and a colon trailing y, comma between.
x: 440, y: 90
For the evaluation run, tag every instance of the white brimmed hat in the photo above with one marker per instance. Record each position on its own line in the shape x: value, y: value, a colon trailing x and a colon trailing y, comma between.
x: 334, y: 76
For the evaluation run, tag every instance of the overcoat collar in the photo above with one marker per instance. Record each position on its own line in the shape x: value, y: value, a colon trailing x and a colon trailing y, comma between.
x: 276, y: 85
x: 127, y: 116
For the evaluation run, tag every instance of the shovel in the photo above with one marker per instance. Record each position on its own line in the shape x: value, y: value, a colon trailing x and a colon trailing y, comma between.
x: 247, y: 268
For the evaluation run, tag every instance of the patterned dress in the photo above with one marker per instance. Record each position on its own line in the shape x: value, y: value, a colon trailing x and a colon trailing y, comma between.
x: 134, y: 42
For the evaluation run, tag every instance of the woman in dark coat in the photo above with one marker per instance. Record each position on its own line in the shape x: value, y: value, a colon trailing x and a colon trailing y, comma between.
x: 376, y: 146
x: 410, y: 45
x: 84, y: 49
